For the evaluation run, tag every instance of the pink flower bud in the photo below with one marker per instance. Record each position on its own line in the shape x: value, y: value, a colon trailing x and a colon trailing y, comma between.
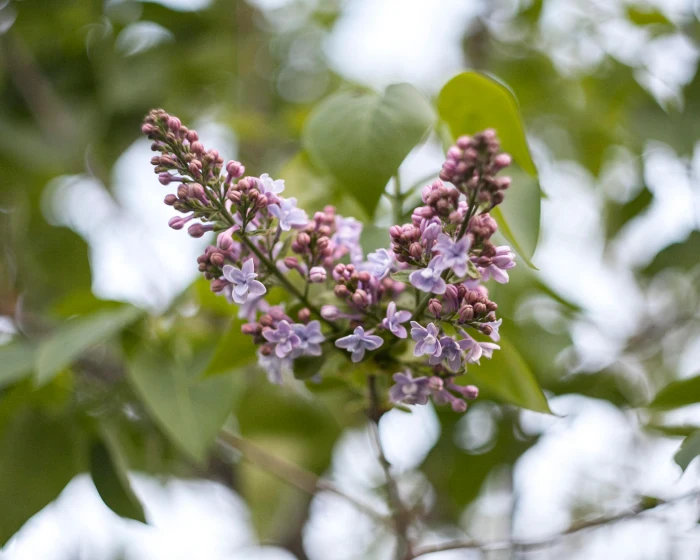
x: 174, y: 124
x: 317, y: 274
x: 192, y: 136
x: 304, y: 315
x: 466, y: 313
x: 291, y: 262
x: 235, y: 169
x: 170, y: 199
x: 435, y: 307
x: 330, y: 312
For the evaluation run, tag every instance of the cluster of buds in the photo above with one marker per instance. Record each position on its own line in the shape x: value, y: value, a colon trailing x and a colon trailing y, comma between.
x: 472, y: 164
x: 443, y: 257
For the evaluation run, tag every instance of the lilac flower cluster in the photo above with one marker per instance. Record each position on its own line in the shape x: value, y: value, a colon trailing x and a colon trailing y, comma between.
x: 426, y: 291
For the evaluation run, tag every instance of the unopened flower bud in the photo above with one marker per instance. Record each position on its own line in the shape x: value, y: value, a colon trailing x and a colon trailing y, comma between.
x: 416, y: 250
x: 341, y: 291
x: 466, y: 313
x: 170, y: 199
x: 435, y: 383
x: 435, y: 307
x: 317, y: 274
x: 479, y: 308
x: 250, y: 328
x: 291, y: 262
x: 304, y: 315
x: 192, y: 136
x: 235, y: 169
x: 174, y: 124
x: 197, y: 230
x: 303, y: 239
x: 218, y: 285
x: 360, y: 298
x: 330, y: 312
x: 217, y: 259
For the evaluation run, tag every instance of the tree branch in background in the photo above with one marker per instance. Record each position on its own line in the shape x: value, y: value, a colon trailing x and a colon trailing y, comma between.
x: 644, y: 504
x: 399, y: 512
x: 294, y: 475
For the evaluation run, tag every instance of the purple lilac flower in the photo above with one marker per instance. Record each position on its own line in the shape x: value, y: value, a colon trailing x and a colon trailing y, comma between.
x: 453, y: 254
x: 347, y: 237
x: 284, y: 338
x: 494, y: 325
x: 409, y: 390
x: 358, y: 342
x: 443, y: 396
x: 476, y: 350
x: 428, y: 280
x: 269, y: 186
x: 274, y: 367
x: 451, y: 353
x: 430, y: 229
x: 502, y: 261
x: 249, y: 309
x: 427, y: 342
x: 379, y: 263
x: 392, y: 321
x: 310, y: 339
x: 243, y: 282
x: 288, y: 214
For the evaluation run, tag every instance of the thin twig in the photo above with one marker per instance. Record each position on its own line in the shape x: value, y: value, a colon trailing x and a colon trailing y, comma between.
x: 486, y: 546
x: 400, y: 515
x: 295, y: 475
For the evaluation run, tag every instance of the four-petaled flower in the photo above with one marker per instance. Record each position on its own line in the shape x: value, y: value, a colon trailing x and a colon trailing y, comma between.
x: 453, y: 254
x: 502, y: 261
x: 379, y: 263
x: 243, y: 282
x: 310, y: 339
x: 494, y: 326
x: 283, y: 337
x: 392, y: 321
x: 428, y: 280
x: 274, y: 367
x: 269, y: 186
x: 451, y: 353
x: 409, y: 390
x: 474, y: 350
x: 358, y: 342
x: 427, y: 342
x: 288, y: 214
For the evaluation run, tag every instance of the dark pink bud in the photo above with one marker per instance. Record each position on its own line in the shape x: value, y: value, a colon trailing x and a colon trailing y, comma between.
x: 341, y: 291
x: 435, y: 307
x: 174, y: 124
x: 197, y: 148
x: 235, y: 169
x: 304, y: 315
x: 192, y: 136
x: 170, y: 199
x: 250, y: 328
x: 416, y: 250
x: 466, y: 313
x: 217, y: 259
x: 218, y: 285
x: 291, y: 262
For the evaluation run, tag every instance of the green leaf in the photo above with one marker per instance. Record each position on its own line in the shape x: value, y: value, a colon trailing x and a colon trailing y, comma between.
x: 507, y: 378
x: 690, y: 448
x: 361, y: 137
x: 401, y: 275
x: 471, y: 102
x: 74, y: 337
x: 617, y: 215
x: 189, y: 411
x: 233, y: 351
x: 644, y: 16
x: 36, y: 463
x: 109, y: 473
x: 519, y: 216
x: 16, y: 361
x: 678, y: 393
x: 682, y: 255
x: 306, y: 367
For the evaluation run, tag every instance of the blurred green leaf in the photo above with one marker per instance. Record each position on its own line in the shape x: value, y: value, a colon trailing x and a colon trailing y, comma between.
x: 233, y: 351
x: 16, y: 361
x: 646, y: 16
x: 76, y: 336
x: 189, y: 411
x: 677, y: 394
x: 519, y: 216
x: 306, y: 367
x: 507, y: 378
x: 690, y: 448
x: 618, y: 215
x: 361, y: 137
x: 109, y: 474
x: 682, y: 255
x: 471, y: 102
x: 37, y: 460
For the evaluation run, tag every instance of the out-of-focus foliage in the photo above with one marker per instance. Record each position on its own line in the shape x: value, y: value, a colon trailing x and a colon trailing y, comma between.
x: 89, y: 385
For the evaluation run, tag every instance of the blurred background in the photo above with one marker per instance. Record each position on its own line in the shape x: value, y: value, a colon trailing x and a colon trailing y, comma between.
x: 610, y: 96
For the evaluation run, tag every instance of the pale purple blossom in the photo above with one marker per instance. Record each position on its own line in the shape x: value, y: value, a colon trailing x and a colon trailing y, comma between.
x: 243, y: 283
x: 283, y: 337
x: 451, y: 353
x: 379, y: 263
x: 269, y: 186
x: 427, y: 341
x: 409, y: 390
x: 288, y: 214
x: 274, y: 367
x: 430, y: 229
x: 249, y: 309
x: 428, y: 280
x: 358, y: 342
x: 474, y: 350
x: 310, y: 339
x: 392, y: 321
x: 347, y: 238
x: 494, y: 326
x: 453, y: 254
x: 502, y: 261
